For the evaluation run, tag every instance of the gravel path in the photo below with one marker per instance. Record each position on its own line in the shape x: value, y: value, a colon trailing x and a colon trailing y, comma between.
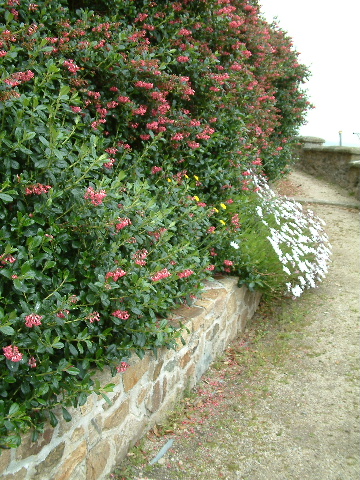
x: 282, y: 403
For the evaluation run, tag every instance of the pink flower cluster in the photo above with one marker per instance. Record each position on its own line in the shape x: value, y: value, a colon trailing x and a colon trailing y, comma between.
x: 7, y: 259
x: 33, y: 320
x: 185, y: 273
x: 37, y: 189
x: 71, y: 66
x: 96, y: 198
x: 228, y: 263
x: 19, y: 77
x: 156, y: 170
x: 122, y: 314
x: 146, y: 85
x: 183, y: 59
x: 118, y: 273
x: 160, y: 275
x: 122, y: 223
x: 122, y: 367
x: 12, y: 353
x: 140, y: 257
x: 32, y: 362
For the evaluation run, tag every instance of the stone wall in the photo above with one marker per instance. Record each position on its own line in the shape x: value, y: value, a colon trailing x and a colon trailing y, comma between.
x: 339, y: 165
x: 100, y: 434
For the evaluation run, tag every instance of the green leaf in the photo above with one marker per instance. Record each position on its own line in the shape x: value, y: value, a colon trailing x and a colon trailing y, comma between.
x: 6, y: 330
x: 106, y: 398
x: 72, y: 370
x: 53, y: 419
x: 5, y: 197
x: 66, y: 415
x: 14, y: 409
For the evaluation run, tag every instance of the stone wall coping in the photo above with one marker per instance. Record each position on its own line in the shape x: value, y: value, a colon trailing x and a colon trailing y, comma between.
x: 310, y: 140
x: 333, y: 148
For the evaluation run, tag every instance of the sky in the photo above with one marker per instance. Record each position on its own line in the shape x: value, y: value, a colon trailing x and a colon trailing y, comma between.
x: 326, y: 35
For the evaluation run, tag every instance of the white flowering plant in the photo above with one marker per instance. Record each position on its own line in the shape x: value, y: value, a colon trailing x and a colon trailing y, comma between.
x: 276, y: 246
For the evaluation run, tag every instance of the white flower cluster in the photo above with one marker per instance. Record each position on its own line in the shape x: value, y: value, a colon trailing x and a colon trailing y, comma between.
x: 298, y: 238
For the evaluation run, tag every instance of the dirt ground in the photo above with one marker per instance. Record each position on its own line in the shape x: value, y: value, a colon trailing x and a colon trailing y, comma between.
x: 282, y: 403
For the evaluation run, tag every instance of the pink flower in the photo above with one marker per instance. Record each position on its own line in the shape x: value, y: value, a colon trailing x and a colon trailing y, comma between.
x: 62, y: 313
x: 228, y: 263
x: 122, y: 367
x: 76, y: 109
x: 32, y: 362
x: 177, y: 136
x: 37, y: 189
x: 156, y: 169
x: 93, y: 317
x: 183, y: 59
x: 184, y: 31
x: 33, y: 320
x: 193, y: 145
x: 12, y: 353
x: 210, y: 268
x: 8, y: 259
x: 123, y: 99
x: 110, y: 163
x: 160, y: 275
x: 118, y: 273
x: 123, y: 222
x: 96, y: 198
x: 140, y: 257
x: 146, y: 85
x: 140, y: 111
x: 71, y: 66
x: 18, y: 78
x: 122, y: 314
x: 185, y: 273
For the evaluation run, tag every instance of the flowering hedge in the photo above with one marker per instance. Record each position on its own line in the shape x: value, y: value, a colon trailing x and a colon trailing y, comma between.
x: 133, y: 137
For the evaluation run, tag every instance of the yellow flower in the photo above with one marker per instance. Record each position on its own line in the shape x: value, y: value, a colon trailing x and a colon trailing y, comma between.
x: 222, y: 205
x: 196, y: 198
x: 196, y: 178
x: 215, y: 210
x: 169, y: 180
x: 222, y: 221
x: 186, y: 176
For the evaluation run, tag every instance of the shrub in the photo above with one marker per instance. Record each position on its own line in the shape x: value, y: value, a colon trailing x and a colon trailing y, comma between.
x: 132, y: 134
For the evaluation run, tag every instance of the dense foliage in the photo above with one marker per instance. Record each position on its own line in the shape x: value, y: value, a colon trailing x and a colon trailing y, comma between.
x: 132, y: 135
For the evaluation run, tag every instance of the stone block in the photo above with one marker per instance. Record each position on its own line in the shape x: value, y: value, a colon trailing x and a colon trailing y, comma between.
x: 96, y: 460
x: 28, y: 447
x: 117, y: 416
x: 188, y: 312
x: 50, y: 464
x: 185, y: 359
x: 154, y: 400
x: 158, y: 366
x: 142, y: 395
x: 134, y: 373
x: 73, y: 459
x: 5, y: 459
x: 95, y: 430
x: 78, y: 433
